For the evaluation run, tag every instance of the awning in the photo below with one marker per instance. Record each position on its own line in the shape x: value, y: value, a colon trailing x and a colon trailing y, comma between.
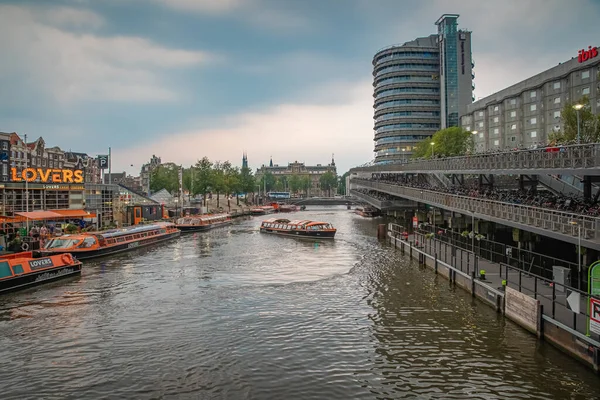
x: 40, y: 215
x: 69, y: 213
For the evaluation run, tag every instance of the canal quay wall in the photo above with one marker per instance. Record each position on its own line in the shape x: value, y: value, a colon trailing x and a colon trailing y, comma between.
x: 552, y: 312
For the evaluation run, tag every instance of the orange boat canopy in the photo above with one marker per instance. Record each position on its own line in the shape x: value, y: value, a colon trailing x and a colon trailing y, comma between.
x: 55, y: 214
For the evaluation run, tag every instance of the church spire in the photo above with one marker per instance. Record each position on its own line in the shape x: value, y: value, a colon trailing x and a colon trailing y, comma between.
x: 332, y: 160
x: 271, y: 162
x: 244, y: 160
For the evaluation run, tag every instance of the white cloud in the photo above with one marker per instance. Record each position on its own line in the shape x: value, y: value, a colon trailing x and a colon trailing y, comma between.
x: 71, y: 67
x: 254, y: 12
x: 304, y: 132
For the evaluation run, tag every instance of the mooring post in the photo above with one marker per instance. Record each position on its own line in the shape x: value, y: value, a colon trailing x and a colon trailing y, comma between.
x: 435, y: 263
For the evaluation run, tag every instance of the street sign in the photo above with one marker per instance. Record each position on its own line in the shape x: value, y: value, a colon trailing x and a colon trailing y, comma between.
x: 415, y: 222
x: 574, y: 301
x: 103, y: 162
x: 595, y: 315
x: 594, y: 279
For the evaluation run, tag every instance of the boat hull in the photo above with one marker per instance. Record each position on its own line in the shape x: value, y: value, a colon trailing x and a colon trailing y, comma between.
x: 118, y: 248
x: 300, y: 233
x: 201, y: 228
x: 21, y: 282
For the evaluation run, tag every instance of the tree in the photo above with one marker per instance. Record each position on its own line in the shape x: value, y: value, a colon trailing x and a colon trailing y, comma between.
x: 219, y: 183
x: 203, y: 177
x: 589, y: 124
x: 341, y: 189
x: 448, y: 142
x: 306, y: 184
x: 279, y: 184
x: 295, y: 183
x: 248, y: 183
x: 165, y: 176
x: 269, y: 179
x: 328, y: 181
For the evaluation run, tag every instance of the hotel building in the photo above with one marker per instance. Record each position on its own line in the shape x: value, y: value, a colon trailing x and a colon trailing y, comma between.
x: 526, y: 113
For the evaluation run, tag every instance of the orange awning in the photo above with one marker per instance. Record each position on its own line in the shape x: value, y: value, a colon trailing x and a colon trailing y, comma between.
x: 40, y: 215
x: 69, y: 213
x: 5, y: 219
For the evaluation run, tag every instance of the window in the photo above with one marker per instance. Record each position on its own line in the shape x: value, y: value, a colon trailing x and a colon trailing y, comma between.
x: 585, y: 90
x: 533, y: 134
x: 496, y: 142
x: 496, y: 131
x: 513, y: 126
x: 532, y: 94
x: 481, y: 113
x: 533, y: 121
x: 481, y: 124
x: 513, y: 139
x: 585, y: 74
x: 556, y: 114
x: 557, y: 127
x: 481, y: 135
x: 513, y: 114
x: 496, y: 119
x: 496, y: 108
x: 4, y: 169
x: 556, y: 85
x: 557, y: 100
x: 5, y: 269
x: 513, y: 102
x: 4, y: 146
x: 467, y: 128
x: 533, y: 107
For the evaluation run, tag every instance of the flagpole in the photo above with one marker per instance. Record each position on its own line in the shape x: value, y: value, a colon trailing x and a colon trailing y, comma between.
x: 26, y: 184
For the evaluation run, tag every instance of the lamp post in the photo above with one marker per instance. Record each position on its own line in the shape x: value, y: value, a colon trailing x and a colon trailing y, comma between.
x: 432, y: 143
x: 578, y: 107
x: 578, y: 253
x: 473, y: 229
x: 404, y: 154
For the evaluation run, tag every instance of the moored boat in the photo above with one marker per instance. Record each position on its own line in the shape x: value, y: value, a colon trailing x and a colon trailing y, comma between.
x: 97, y: 244
x: 288, y: 208
x: 367, y: 212
x: 22, y: 270
x: 263, y: 210
x: 198, y: 223
x: 298, y: 228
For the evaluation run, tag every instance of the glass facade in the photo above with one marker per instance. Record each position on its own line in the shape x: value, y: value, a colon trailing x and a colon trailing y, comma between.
x: 410, y: 72
x: 447, y: 31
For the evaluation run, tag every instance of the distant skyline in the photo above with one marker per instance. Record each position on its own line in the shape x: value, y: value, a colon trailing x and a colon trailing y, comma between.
x: 184, y: 79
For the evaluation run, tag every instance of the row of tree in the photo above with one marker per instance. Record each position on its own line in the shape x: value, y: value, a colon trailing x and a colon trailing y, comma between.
x: 456, y: 141
x: 223, y: 178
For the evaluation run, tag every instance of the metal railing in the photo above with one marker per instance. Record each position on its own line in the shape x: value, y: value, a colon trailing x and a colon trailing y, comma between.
x: 552, y: 295
x: 581, y: 157
x: 560, y: 224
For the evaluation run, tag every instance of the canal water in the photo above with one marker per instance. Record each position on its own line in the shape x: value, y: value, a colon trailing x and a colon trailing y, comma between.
x: 235, y: 314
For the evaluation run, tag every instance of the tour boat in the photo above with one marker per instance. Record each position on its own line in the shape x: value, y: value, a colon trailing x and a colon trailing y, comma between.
x: 262, y: 210
x: 366, y: 212
x: 288, y: 208
x: 197, y: 223
x: 97, y: 244
x: 22, y: 270
x: 298, y: 228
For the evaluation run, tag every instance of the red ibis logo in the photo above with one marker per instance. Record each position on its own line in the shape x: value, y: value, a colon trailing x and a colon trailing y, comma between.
x: 588, y: 54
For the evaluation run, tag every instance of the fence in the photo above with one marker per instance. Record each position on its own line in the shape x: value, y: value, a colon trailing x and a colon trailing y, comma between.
x: 558, y: 300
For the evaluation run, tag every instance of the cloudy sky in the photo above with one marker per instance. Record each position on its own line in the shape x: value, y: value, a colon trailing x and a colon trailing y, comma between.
x: 184, y: 79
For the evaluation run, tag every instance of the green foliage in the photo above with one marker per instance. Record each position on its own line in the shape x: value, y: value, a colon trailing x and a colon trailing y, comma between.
x: 295, y: 183
x: 448, y: 142
x: 270, y: 181
x: 247, y: 180
x: 589, y: 124
x: 165, y: 176
x: 328, y: 181
x: 341, y: 188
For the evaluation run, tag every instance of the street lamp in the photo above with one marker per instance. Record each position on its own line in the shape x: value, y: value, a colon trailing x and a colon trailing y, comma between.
x: 432, y: 143
x: 578, y: 253
x: 577, y: 108
x: 404, y: 154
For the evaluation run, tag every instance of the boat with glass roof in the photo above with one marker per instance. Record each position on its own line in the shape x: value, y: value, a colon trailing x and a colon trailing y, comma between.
x: 97, y: 244
x: 199, y: 223
x: 298, y: 228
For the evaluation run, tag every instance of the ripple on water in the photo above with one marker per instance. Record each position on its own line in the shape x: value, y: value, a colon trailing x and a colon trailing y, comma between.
x: 233, y: 314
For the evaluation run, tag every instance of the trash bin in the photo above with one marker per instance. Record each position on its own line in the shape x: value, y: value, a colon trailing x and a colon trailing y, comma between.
x: 562, y: 276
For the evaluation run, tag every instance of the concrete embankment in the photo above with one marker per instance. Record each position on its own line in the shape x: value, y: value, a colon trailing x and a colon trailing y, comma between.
x: 546, y: 309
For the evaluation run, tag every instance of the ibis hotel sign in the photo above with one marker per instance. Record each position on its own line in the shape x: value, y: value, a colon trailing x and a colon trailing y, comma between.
x: 584, y: 55
x: 47, y: 175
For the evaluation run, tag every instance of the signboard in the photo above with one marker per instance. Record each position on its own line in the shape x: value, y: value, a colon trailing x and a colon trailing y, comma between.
x: 594, y: 279
x: 103, y: 162
x: 584, y: 55
x: 415, y: 222
x: 522, y: 309
x: 40, y: 263
x: 47, y: 175
x: 595, y: 315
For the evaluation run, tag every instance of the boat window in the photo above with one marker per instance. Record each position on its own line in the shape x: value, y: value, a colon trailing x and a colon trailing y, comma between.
x: 61, y: 243
x: 88, y: 242
x: 163, y: 231
x: 18, y: 269
x: 120, y: 240
x: 5, y: 269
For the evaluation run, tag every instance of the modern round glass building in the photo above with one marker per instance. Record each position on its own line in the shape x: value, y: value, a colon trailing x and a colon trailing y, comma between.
x: 407, y: 97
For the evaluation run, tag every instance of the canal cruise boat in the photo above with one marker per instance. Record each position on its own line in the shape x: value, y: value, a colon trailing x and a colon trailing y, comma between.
x: 23, y: 270
x: 199, y: 223
x: 263, y: 210
x: 298, y: 228
x: 367, y: 212
x: 96, y: 244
